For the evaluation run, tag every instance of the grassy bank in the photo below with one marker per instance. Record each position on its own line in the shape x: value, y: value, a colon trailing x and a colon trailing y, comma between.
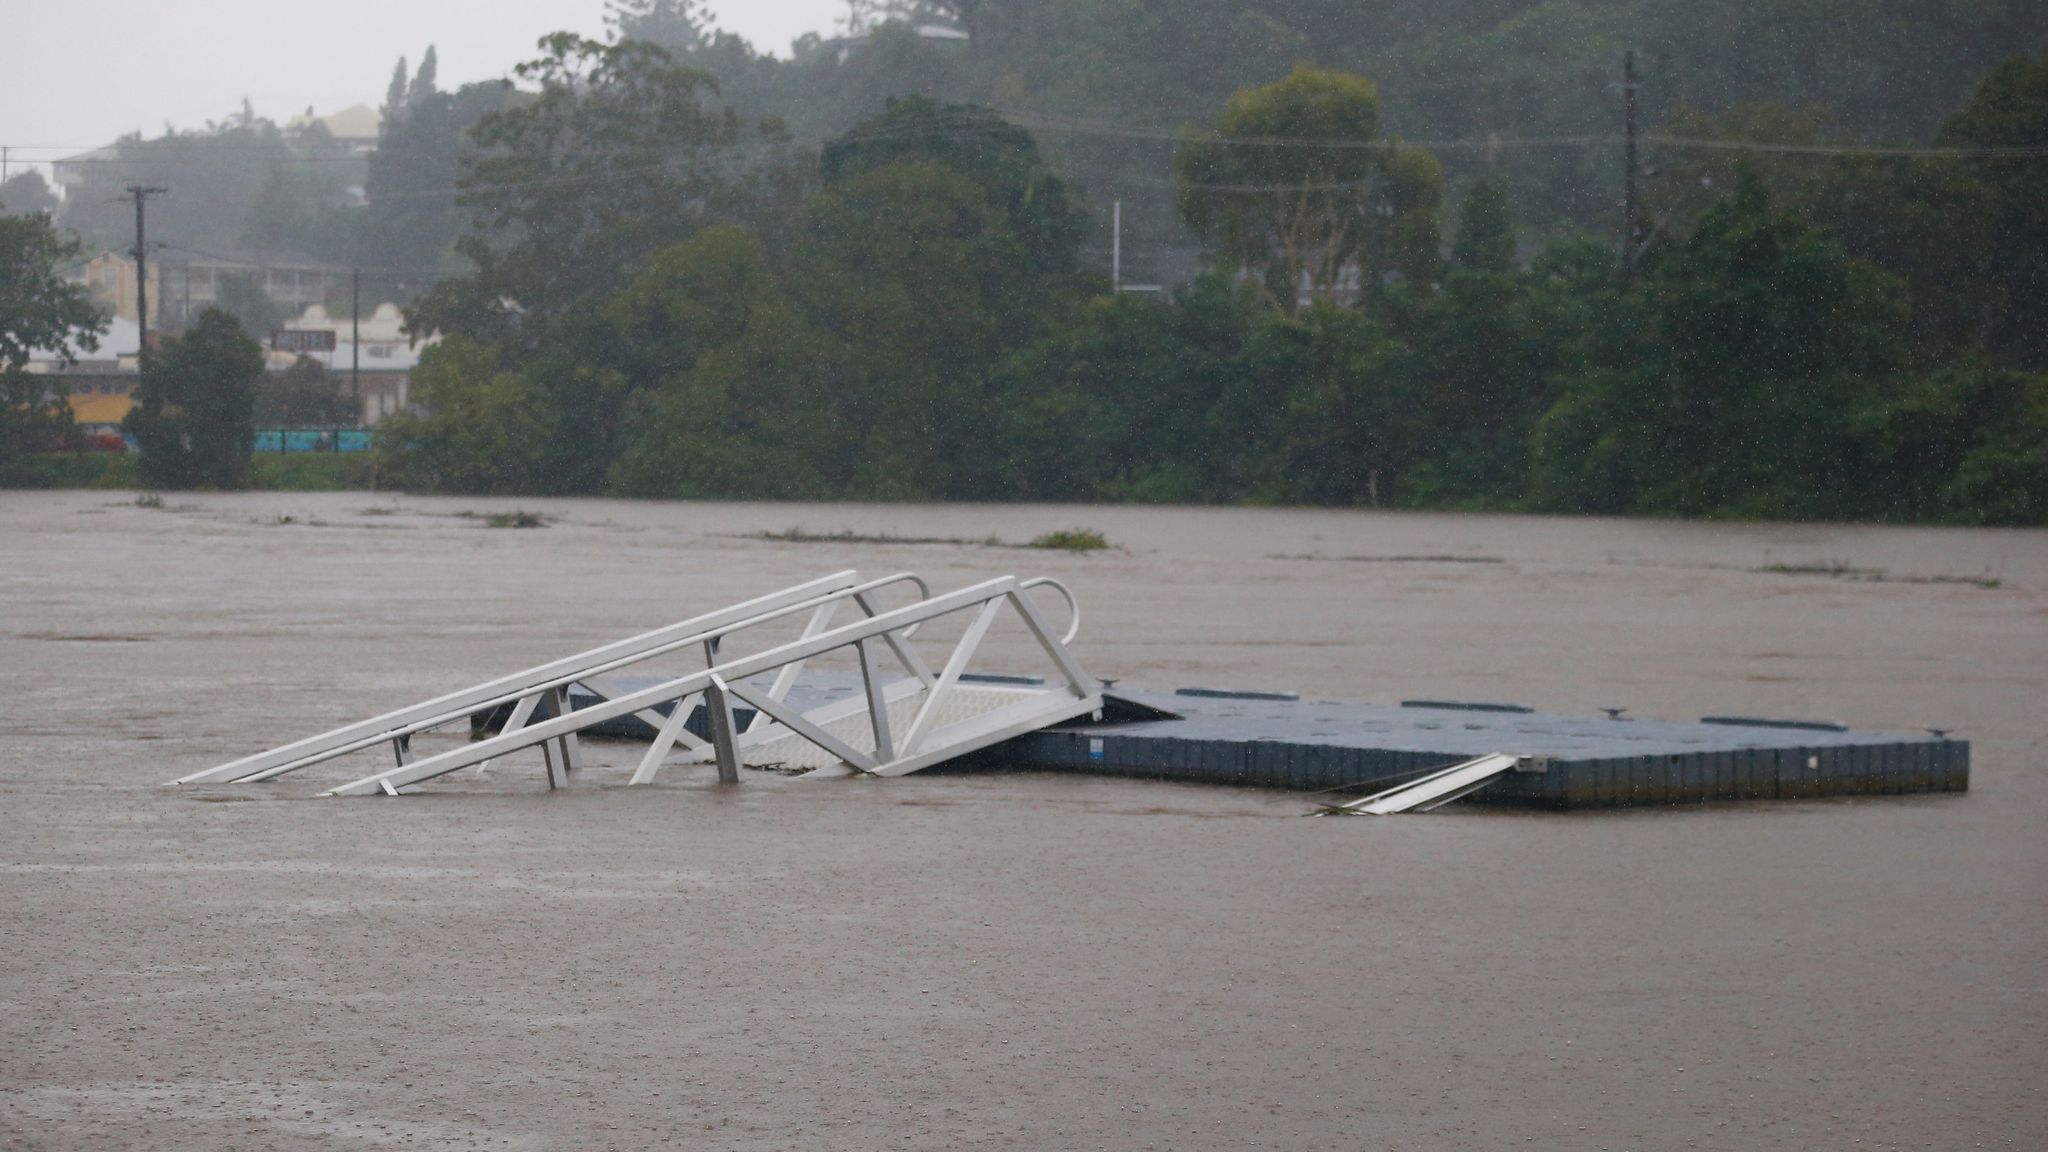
x: 297, y: 472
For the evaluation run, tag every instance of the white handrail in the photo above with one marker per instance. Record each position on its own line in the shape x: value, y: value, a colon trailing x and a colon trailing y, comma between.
x: 1078, y: 694
x: 531, y: 683
x: 1073, y: 605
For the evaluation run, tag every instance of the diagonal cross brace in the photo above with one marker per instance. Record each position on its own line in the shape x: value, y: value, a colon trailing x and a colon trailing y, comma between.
x: 875, y: 626
x: 459, y: 704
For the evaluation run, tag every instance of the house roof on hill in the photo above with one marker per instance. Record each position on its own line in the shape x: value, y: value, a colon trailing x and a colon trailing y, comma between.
x: 355, y: 122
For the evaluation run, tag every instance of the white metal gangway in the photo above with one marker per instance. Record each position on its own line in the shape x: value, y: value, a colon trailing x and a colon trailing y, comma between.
x: 1432, y: 791
x: 938, y: 717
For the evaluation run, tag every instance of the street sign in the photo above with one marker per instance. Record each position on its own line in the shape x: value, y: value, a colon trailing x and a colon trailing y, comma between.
x: 302, y: 340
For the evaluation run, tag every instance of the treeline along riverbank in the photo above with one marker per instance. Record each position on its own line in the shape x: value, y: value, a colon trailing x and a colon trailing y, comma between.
x: 1850, y: 336
x: 660, y: 297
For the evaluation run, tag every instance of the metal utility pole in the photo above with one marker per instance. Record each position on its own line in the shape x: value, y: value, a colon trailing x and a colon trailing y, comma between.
x: 1630, y: 240
x: 1116, y: 247
x: 355, y: 340
x: 140, y: 194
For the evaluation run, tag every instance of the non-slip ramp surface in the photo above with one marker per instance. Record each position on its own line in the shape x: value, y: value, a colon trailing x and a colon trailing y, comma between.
x: 791, y: 753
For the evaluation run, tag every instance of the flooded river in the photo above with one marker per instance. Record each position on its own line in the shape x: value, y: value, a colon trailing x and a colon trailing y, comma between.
x: 1011, y: 961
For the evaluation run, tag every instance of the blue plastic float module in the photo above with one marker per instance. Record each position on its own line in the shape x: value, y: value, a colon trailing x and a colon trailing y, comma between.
x: 1584, y: 761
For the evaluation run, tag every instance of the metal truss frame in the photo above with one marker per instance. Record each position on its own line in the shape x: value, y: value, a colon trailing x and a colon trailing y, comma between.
x: 543, y: 690
x: 541, y: 715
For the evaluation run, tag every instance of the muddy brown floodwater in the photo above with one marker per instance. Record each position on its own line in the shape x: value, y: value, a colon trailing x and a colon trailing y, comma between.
x: 1011, y: 961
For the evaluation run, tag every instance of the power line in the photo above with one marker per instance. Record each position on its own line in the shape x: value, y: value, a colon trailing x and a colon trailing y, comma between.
x: 967, y: 125
x: 1339, y: 143
x: 1012, y: 118
x: 201, y: 155
x: 1930, y: 152
x: 1085, y: 128
x: 259, y: 266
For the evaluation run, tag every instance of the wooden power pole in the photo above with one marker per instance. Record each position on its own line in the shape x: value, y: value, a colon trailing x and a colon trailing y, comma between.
x: 355, y: 340
x: 140, y: 194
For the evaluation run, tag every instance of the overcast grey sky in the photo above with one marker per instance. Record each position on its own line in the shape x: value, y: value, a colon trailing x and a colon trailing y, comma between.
x: 81, y: 72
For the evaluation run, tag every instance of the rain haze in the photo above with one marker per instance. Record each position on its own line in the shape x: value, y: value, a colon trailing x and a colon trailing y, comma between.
x: 200, y: 61
x: 1054, y: 574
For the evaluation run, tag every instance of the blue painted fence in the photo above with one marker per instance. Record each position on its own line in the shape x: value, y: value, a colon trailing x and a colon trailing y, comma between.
x: 278, y: 441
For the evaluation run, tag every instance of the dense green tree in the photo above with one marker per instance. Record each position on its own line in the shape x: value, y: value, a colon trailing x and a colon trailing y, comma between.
x: 1890, y: 68
x: 679, y: 26
x: 40, y: 310
x: 907, y: 319
x: 1967, y: 442
x: 478, y: 429
x: 240, y: 183
x: 1343, y: 427
x: 901, y: 282
x: 1280, y: 190
x: 194, y: 414
x: 611, y: 155
x: 1751, y: 343
x: 412, y: 216
x: 1486, y: 230
x: 1001, y: 158
x: 903, y: 268
x: 422, y: 88
x: 26, y: 193
x: 2010, y: 111
x: 1112, y: 73
x: 1923, y: 218
x: 2003, y: 478
x: 305, y: 206
x: 1403, y: 221
x: 1289, y: 184
x: 738, y: 407
x: 394, y: 98
x: 1122, y: 399
x: 1478, y: 378
x: 304, y: 395
x: 242, y: 295
x: 1683, y: 184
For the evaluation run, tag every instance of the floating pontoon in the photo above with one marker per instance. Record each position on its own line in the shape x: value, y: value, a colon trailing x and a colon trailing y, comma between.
x: 758, y: 701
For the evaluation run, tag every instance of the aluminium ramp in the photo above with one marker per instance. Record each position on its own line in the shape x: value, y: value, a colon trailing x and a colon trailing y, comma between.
x: 1434, y: 790
x: 889, y: 728
x: 544, y: 689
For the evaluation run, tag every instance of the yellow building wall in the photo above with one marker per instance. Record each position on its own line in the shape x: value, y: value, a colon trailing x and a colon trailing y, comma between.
x: 100, y: 409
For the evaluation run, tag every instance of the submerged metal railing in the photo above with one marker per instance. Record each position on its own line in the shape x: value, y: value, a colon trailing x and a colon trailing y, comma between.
x: 941, y: 718
x: 538, y: 687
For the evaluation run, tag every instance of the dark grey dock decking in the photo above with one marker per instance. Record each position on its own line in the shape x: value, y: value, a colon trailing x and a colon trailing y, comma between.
x: 1587, y: 762
x: 1272, y: 740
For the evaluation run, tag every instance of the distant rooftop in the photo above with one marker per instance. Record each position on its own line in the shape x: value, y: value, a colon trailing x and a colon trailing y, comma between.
x: 385, y: 346
x: 356, y: 126
x: 355, y: 122
x: 121, y: 339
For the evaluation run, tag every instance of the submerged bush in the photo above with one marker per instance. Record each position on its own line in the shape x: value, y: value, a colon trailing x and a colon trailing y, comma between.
x: 1072, y: 540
